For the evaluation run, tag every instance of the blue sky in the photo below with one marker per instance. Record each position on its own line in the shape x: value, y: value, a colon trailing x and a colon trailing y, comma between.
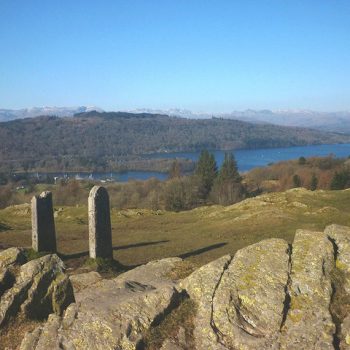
x: 213, y: 56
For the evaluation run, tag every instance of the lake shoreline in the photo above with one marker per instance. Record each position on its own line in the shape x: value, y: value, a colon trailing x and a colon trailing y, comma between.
x: 247, y: 159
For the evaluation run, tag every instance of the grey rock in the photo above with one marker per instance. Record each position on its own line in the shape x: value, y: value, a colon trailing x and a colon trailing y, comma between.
x: 113, y: 314
x: 309, y: 324
x: 43, y: 224
x: 84, y: 280
x: 249, y: 300
x: 179, y: 343
x: 40, y: 288
x: 268, y: 296
x: 340, y: 237
x: 11, y: 256
x: 201, y: 286
x: 100, y: 232
x: 6, y: 280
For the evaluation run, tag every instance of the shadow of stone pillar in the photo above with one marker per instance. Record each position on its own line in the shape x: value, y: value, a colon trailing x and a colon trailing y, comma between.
x: 43, y: 223
x: 100, y: 232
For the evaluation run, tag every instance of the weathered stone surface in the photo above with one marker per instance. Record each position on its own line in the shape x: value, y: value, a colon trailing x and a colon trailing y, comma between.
x: 201, y: 286
x: 46, y: 337
x: 344, y: 336
x: 11, y: 256
x: 100, y: 232
x: 179, y: 343
x: 39, y: 289
x: 268, y: 296
x: 84, y: 280
x: 340, y: 237
x: 114, y: 313
x: 6, y: 280
x: 249, y: 301
x: 309, y: 323
x: 43, y: 224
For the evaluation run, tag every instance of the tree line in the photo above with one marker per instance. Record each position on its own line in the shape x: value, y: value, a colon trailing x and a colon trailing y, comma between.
x: 208, y: 184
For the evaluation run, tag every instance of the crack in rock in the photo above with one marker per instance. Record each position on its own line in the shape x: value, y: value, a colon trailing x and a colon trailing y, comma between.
x: 336, y: 321
x: 287, y: 300
x: 212, y: 322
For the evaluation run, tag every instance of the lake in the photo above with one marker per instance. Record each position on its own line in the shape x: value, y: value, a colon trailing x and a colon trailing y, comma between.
x: 246, y: 160
x: 252, y: 158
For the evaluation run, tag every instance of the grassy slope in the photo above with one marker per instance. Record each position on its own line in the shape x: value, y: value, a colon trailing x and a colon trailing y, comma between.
x: 200, y: 235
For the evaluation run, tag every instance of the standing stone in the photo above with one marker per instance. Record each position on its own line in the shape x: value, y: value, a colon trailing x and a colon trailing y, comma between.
x: 100, y: 233
x: 43, y: 224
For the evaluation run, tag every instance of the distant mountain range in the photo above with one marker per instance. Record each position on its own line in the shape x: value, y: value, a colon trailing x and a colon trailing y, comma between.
x: 327, y: 121
x: 12, y: 114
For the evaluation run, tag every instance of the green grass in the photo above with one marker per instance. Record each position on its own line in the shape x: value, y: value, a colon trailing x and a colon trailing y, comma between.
x: 199, y: 235
x: 31, y: 254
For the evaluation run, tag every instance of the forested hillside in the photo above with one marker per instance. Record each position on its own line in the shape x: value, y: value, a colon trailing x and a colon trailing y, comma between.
x: 90, y: 140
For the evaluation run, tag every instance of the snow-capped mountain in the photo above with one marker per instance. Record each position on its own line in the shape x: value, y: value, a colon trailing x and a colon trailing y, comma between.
x: 11, y: 114
x: 327, y: 121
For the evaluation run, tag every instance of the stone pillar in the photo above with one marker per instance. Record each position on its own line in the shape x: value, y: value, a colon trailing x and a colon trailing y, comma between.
x: 43, y: 224
x: 100, y: 232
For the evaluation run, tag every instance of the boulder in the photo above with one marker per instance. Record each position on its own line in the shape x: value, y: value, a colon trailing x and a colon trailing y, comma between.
x: 112, y: 314
x: 270, y: 295
x: 11, y: 256
x: 340, y: 238
x: 38, y: 288
x: 309, y: 324
x: 248, y: 303
x: 201, y: 286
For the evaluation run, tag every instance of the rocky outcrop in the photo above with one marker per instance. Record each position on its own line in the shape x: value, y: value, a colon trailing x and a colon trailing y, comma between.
x: 33, y: 289
x: 270, y: 295
x: 340, y: 306
x: 309, y: 322
x: 201, y: 286
x: 249, y: 301
x: 112, y: 314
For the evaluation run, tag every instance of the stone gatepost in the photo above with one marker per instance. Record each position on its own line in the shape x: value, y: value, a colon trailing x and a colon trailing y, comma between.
x: 100, y: 232
x: 43, y: 224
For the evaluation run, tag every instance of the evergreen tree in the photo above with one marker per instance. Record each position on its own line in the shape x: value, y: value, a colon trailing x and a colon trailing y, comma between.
x: 314, y: 182
x: 206, y: 171
x: 227, y: 186
x: 340, y: 180
x: 175, y: 170
x: 229, y: 169
x: 296, y: 181
x: 302, y: 161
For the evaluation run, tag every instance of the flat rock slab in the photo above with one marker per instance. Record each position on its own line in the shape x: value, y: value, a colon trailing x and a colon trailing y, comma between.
x: 112, y: 314
x: 84, y: 280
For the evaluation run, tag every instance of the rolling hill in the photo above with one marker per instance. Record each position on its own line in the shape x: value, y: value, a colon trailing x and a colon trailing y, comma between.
x: 93, y: 138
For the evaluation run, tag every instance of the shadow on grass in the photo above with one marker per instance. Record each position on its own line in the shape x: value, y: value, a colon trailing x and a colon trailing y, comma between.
x: 202, y: 250
x: 4, y: 227
x: 128, y: 246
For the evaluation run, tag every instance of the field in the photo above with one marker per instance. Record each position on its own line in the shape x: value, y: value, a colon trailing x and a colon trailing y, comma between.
x: 199, y: 235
